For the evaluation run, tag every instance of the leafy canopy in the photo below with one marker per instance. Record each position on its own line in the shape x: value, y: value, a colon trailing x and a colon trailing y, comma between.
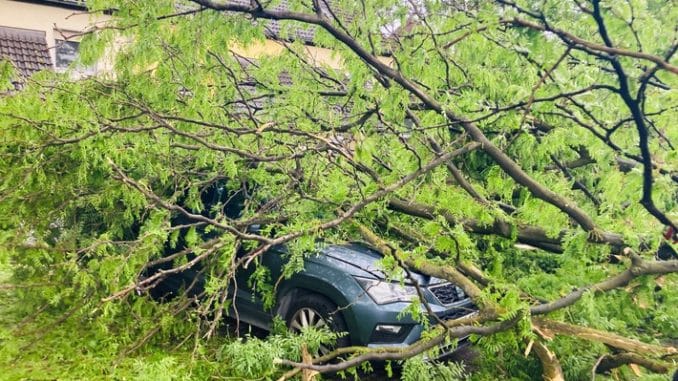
x: 452, y: 129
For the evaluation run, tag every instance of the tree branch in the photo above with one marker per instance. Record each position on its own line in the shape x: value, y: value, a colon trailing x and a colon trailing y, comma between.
x: 501, y: 158
x: 530, y: 235
x: 609, y: 362
x: 552, y: 371
x: 574, y: 40
x: 639, y: 267
x: 554, y: 327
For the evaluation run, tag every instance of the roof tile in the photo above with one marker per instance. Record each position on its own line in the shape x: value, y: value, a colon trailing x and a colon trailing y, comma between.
x: 27, y: 49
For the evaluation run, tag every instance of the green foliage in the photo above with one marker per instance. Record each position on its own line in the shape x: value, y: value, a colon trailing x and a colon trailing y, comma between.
x: 7, y: 73
x: 94, y: 173
x: 416, y: 369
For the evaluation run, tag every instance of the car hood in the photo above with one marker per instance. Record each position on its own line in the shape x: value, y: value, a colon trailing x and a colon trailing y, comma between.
x: 360, y: 260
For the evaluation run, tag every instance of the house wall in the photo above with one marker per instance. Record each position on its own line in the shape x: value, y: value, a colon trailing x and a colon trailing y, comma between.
x: 318, y: 56
x: 55, y: 20
x: 48, y: 18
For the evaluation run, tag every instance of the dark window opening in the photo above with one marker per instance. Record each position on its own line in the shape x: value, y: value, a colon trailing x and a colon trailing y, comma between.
x: 66, y: 52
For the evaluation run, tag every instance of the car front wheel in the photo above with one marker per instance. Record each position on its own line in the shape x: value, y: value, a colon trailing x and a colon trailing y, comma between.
x: 316, y: 311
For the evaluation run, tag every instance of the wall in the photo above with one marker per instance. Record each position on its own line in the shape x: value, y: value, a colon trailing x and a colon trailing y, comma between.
x: 48, y: 18
x: 52, y: 19
x: 318, y: 56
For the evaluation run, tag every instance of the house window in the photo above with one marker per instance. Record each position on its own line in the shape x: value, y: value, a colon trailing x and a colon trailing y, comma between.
x: 66, y: 52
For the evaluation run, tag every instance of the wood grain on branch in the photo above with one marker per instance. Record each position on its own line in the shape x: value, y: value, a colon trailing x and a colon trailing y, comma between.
x: 616, y: 341
x: 552, y: 370
x: 612, y: 361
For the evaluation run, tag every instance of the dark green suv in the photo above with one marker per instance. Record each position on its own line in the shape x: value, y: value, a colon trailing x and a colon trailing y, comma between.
x: 341, y: 287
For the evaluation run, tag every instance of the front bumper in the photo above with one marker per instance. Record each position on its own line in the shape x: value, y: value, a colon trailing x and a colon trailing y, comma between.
x: 367, y: 316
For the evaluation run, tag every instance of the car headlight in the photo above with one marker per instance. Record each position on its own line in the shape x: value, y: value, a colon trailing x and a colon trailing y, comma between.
x: 384, y: 292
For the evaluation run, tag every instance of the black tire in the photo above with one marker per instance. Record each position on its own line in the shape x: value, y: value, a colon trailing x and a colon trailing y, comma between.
x: 325, y: 310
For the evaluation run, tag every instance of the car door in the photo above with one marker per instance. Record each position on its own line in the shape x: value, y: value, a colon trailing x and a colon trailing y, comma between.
x: 249, y: 304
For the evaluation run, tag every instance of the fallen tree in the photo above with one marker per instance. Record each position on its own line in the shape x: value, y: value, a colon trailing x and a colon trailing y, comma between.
x: 471, y: 141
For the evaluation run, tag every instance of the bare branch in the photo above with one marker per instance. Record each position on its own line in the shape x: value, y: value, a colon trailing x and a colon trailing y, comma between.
x: 576, y: 41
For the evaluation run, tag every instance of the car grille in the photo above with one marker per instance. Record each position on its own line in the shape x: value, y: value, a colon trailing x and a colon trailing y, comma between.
x: 448, y: 293
x: 457, y: 312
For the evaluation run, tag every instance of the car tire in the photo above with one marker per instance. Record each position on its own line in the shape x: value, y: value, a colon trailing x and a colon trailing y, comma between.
x: 316, y: 310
